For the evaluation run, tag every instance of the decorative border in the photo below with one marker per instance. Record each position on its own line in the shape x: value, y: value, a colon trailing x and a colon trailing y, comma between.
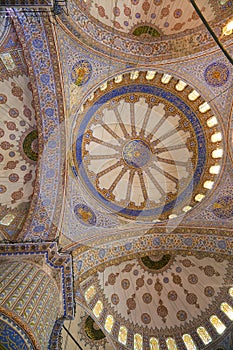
x: 22, y: 326
x: 127, y: 84
x: 55, y: 338
x: 44, y: 71
x: 156, y: 239
x: 157, y: 92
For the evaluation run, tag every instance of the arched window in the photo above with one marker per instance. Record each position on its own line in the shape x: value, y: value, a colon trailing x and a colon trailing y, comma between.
x: 98, y: 308
x: 204, y: 335
x: 217, y: 153
x: 150, y: 74
x: 138, y: 342
x: 212, y: 121
x: 90, y: 292
x: 193, y: 95
x: 217, y: 323
x: 154, y: 344
x: 216, y: 137
x: 188, y: 341
x: 109, y: 323
x: 228, y: 310
x: 166, y: 78
x: 204, y: 107
x: 122, y: 336
x: 180, y: 85
x: 171, y: 344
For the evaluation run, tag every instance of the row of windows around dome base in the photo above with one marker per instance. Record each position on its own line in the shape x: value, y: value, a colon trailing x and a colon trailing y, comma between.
x: 192, y: 96
x: 218, y: 325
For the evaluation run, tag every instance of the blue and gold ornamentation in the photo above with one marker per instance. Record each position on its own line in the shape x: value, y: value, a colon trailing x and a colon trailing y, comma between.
x: 85, y: 214
x: 223, y: 207
x: 216, y: 74
x: 136, y: 153
x: 11, y: 339
x: 81, y: 72
x: 140, y: 149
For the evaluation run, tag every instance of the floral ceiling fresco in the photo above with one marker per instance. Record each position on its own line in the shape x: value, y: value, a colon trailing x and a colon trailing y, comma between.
x: 151, y: 30
x: 130, y: 163
x: 152, y: 301
x: 18, y: 135
x: 140, y: 149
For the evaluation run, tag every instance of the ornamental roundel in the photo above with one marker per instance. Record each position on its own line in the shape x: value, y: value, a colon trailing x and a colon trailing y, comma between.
x: 142, y: 146
x: 85, y: 214
x: 216, y: 74
x: 223, y: 207
x: 81, y: 72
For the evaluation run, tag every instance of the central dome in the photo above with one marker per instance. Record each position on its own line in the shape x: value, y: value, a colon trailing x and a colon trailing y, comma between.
x: 141, y: 149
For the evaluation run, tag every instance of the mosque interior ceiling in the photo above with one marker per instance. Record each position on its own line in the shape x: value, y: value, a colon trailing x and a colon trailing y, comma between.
x: 116, y: 141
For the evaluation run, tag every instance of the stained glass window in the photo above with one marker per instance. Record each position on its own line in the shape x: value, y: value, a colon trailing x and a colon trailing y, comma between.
x: 171, y: 344
x: 109, y: 323
x: 204, y: 335
x: 217, y: 323
x: 228, y: 310
x: 154, y: 344
x: 122, y: 336
x: 90, y: 292
x: 98, y: 308
x: 188, y: 341
x: 138, y: 345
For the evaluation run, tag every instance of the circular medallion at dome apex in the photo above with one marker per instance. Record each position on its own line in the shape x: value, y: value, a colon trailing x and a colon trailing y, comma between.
x: 156, y: 262
x: 140, y: 147
x: 136, y: 153
x: 29, y: 146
